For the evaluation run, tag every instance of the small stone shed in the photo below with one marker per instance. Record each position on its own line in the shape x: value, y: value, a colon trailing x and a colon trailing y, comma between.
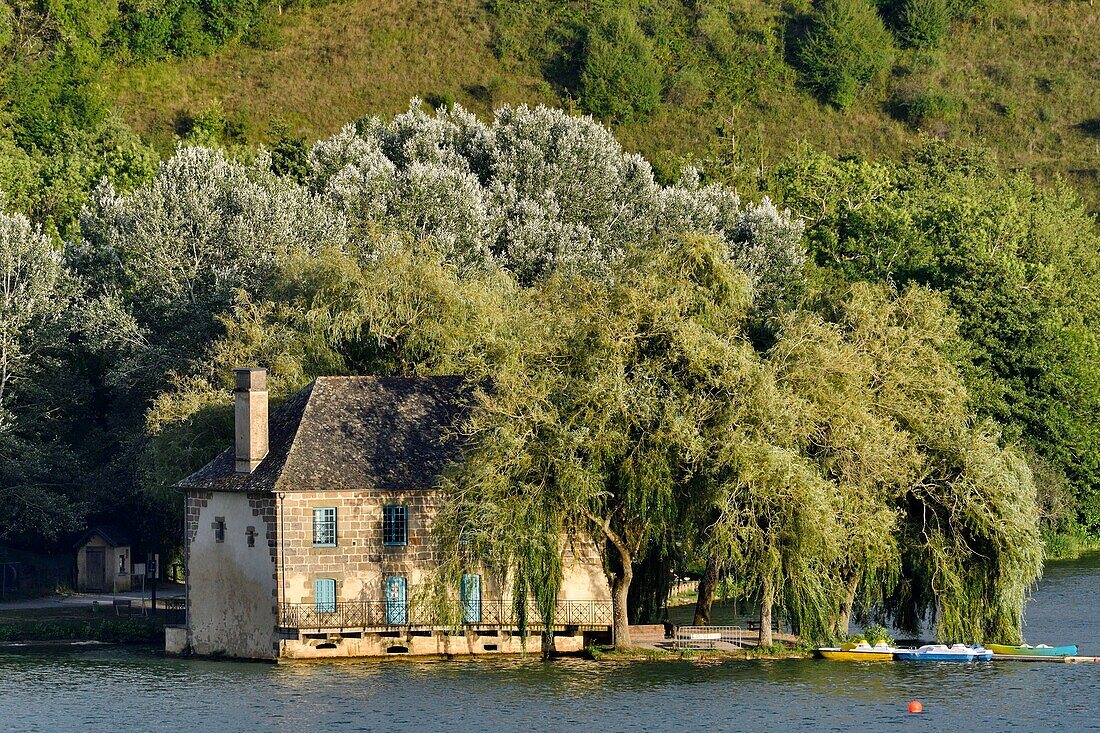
x: 103, y: 560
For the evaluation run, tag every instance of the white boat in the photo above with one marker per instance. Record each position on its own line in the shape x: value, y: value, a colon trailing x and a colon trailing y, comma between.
x: 944, y: 653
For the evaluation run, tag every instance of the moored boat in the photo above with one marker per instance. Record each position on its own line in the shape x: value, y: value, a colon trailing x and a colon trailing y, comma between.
x: 1042, y: 650
x: 861, y: 652
x: 944, y: 653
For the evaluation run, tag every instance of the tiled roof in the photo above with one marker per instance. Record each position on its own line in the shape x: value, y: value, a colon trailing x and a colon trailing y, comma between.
x: 387, y: 433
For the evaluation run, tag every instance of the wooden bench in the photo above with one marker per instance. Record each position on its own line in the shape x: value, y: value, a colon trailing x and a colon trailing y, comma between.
x: 121, y: 603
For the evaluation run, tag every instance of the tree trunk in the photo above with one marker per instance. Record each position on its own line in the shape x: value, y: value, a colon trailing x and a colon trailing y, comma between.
x: 844, y: 618
x: 549, y: 649
x: 707, y: 585
x: 620, y: 589
x: 766, y: 602
x: 620, y: 583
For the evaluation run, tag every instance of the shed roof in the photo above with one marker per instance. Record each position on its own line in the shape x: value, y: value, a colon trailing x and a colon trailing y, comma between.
x: 113, y: 535
x: 388, y: 433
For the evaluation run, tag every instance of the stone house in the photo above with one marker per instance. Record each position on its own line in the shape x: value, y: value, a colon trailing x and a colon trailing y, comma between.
x: 311, y: 536
x: 103, y: 560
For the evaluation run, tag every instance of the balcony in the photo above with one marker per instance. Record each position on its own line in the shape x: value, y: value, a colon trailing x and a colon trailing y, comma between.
x: 484, y: 614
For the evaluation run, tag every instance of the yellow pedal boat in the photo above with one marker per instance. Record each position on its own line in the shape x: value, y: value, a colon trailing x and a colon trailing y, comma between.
x: 861, y: 652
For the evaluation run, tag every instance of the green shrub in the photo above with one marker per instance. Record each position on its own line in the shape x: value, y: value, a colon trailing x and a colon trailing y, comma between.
x: 923, y: 105
x: 688, y: 89
x: 620, y: 80
x: 228, y: 20
x: 440, y: 100
x: 189, y: 38
x: 289, y: 151
x: 984, y: 9
x: 265, y: 34
x: 924, y: 23
x: 846, y: 47
x: 111, y: 630
x: 876, y: 633
x: 7, y: 25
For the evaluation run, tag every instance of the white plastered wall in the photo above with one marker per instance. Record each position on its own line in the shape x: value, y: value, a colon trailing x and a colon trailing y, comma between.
x: 231, y: 590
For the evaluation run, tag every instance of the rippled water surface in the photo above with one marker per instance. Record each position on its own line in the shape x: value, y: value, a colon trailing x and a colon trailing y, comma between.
x: 113, y: 689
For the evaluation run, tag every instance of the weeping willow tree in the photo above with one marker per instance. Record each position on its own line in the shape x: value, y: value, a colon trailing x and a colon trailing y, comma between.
x: 778, y: 530
x: 967, y: 535
x: 806, y: 513
x: 600, y: 425
x: 970, y: 540
x: 863, y: 478
x: 836, y: 382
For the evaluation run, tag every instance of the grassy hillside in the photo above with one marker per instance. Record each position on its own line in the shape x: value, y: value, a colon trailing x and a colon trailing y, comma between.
x: 1021, y: 78
x: 333, y: 64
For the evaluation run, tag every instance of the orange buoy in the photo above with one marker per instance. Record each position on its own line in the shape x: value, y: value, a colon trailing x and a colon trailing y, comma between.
x: 915, y: 706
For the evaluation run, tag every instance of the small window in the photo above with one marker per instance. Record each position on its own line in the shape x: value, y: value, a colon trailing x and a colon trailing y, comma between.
x: 122, y: 563
x: 324, y: 595
x: 324, y: 527
x: 219, y: 529
x: 395, y: 524
x: 250, y: 533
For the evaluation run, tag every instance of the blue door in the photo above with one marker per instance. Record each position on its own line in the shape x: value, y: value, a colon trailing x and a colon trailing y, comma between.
x: 324, y: 595
x: 471, y: 599
x: 396, y: 603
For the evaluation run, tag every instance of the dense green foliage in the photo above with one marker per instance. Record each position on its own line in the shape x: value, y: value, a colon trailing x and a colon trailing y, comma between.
x: 620, y: 79
x: 925, y: 23
x: 846, y: 47
x: 1019, y: 263
x: 664, y: 358
x: 714, y: 49
x: 39, y: 494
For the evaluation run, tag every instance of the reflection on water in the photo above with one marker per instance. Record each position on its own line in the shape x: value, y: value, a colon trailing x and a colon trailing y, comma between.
x: 1067, y: 605
x: 124, y: 689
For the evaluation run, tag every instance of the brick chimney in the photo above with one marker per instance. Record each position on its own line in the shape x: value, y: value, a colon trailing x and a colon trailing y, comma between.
x: 251, y: 418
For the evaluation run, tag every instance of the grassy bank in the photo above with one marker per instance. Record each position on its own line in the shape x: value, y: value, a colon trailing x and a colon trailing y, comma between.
x: 334, y: 64
x: 79, y: 624
x: 599, y: 654
x: 1018, y: 80
x: 1069, y: 545
x: 113, y: 631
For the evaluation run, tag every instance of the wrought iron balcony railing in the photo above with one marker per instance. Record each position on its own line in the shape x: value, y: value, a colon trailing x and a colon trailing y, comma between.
x: 483, y: 613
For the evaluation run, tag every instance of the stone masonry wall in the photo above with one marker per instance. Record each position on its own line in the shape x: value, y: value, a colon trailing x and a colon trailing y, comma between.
x: 360, y: 563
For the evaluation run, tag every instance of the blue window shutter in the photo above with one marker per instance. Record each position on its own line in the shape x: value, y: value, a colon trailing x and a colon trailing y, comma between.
x: 396, y: 605
x: 471, y: 599
x: 324, y: 594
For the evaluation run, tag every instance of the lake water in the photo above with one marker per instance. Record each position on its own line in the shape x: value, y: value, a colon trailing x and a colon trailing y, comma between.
x: 117, y: 689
